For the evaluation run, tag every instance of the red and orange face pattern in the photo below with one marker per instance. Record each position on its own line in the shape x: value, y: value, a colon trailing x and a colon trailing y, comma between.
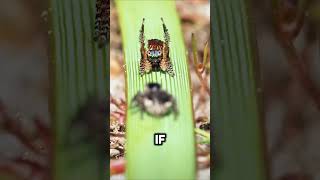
x: 156, y: 56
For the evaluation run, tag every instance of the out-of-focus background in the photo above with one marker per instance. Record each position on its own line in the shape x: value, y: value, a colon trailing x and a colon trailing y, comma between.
x: 290, y: 107
x: 290, y: 80
x: 24, y: 87
x: 23, y: 54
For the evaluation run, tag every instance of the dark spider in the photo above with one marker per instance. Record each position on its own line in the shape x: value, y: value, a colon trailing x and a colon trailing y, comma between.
x: 156, y: 57
x: 205, y: 126
x: 102, y: 22
x: 155, y: 101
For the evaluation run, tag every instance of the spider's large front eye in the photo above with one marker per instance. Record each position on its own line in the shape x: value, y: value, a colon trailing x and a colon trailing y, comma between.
x: 153, y: 53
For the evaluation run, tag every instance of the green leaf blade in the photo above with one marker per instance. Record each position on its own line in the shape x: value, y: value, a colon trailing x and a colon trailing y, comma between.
x: 175, y: 159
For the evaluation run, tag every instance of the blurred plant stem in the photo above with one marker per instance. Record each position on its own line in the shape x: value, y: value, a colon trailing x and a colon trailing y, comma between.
x: 203, y: 66
x: 297, y: 61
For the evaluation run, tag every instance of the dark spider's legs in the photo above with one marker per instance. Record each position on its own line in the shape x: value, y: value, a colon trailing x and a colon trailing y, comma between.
x: 170, y: 69
x: 102, y: 22
x: 97, y: 20
x: 141, y: 37
x: 142, y: 50
x: 145, y: 65
x: 165, y: 63
x: 166, y: 33
x: 134, y: 105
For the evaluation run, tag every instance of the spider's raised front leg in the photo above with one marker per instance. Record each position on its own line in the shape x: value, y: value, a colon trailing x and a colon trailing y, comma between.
x: 166, y: 33
x: 165, y: 63
x: 145, y: 65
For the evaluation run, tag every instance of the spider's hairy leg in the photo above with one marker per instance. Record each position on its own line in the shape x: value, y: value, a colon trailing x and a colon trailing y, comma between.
x: 105, y: 27
x: 97, y: 20
x: 166, y: 33
x: 102, y: 22
x: 135, y: 100
x: 165, y: 63
x: 141, y: 37
x: 134, y: 105
x: 170, y: 69
x: 166, y: 66
x: 137, y: 104
x: 145, y: 65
